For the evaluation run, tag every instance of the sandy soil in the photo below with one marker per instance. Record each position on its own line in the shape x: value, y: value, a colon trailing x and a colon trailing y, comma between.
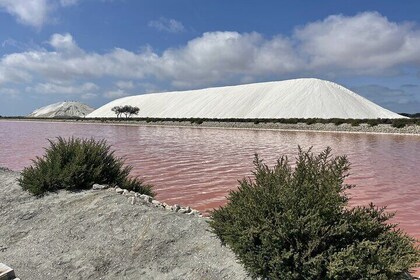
x: 100, y: 235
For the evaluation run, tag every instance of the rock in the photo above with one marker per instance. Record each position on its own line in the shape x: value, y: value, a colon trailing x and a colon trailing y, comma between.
x: 6, y: 272
x: 184, y: 210
x: 99, y: 187
x: 132, y: 200
x: 146, y: 198
x: 194, y: 213
x: 125, y: 192
x: 176, y: 208
x: 156, y: 202
x: 119, y: 190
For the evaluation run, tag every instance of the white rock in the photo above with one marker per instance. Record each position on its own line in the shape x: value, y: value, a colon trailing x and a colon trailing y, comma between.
x: 194, y: 213
x: 125, y: 192
x: 146, y: 198
x: 99, y: 187
x: 119, y: 190
x: 156, y: 202
x: 132, y: 200
x: 176, y: 208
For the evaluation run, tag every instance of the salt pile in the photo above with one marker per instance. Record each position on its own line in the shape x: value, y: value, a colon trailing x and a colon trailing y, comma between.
x: 297, y: 98
x: 63, y: 109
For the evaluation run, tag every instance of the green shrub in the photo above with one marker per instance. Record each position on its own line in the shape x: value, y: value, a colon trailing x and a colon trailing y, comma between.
x: 373, y: 122
x: 296, y: 224
x: 399, y: 123
x: 76, y: 164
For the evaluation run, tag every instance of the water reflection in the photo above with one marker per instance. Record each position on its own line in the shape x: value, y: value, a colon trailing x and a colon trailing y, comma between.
x: 198, y: 167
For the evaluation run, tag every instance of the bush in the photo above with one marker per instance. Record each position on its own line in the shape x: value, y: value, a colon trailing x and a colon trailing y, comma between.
x: 76, y: 164
x: 399, y: 123
x: 296, y: 224
x: 373, y: 122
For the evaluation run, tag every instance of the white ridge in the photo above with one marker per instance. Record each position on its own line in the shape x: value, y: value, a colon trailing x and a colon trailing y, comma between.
x: 297, y: 98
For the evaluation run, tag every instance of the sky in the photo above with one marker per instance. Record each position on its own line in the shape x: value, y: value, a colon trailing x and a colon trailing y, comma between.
x: 95, y: 51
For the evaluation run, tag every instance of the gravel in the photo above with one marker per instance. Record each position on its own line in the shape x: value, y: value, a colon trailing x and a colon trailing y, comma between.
x: 99, y: 234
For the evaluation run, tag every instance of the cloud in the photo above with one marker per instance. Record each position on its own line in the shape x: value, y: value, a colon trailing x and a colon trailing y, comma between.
x: 51, y: 88
x: 364, y: 44
x: 9, y: 91
x: 367, y: 42
x: 125, y: 84
x: 401, y: 99
x: 167, y: 25
x: 33, y: 12
x: 66, y: 3
x: 29, y: 12
x: 88, y: 96
x: 113, y: 94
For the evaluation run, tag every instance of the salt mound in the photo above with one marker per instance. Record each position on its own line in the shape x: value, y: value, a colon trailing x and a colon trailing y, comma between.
x: 63, y: 109
x: 298, y: 98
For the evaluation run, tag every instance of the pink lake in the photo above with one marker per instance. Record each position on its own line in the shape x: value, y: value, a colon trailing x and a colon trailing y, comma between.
x: 198, y: 166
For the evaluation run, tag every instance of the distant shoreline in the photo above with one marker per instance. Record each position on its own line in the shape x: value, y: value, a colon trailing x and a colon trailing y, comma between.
x: 362, y: 128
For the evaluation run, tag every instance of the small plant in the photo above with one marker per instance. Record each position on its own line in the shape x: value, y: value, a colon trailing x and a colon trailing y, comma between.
x: 373, y: 122
x: 295, y: 223
x: 76, y: 164
x: 399, y: 123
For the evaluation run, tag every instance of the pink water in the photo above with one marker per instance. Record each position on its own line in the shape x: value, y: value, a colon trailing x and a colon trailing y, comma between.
x: 198, y: 166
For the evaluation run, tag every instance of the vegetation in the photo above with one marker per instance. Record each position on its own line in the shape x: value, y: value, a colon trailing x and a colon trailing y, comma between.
x: 296, y: 224
x: 352, y: 122
x: 76, y: 164
x: 127, y: 110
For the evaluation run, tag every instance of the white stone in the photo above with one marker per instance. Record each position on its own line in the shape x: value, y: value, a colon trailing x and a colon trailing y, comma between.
x: 146, y: 198
x: 99, y: 187
x: 132, y: 200
x: 176, y: 208
x: 119, y: 190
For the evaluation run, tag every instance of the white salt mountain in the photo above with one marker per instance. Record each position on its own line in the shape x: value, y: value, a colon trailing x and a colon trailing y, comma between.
x: 298, y: 98
x: 63, y: 109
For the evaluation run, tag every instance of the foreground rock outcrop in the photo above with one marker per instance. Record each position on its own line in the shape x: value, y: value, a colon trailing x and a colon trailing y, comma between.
x: 100, y: 234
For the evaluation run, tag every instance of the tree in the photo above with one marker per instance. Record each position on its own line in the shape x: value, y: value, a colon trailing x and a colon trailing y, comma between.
x: 127, y: 110
x: 295, y: 223
x: 117, y: 110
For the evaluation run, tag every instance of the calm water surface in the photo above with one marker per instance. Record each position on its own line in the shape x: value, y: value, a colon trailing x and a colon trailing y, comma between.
x: 198, y: 166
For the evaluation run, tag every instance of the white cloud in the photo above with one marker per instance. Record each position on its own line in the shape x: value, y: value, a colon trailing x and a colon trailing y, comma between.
x: 167, y: 25
x: 34, y: 12
x: 113, y: 94
x: 125, y: 84
x: 51, y: 88
x: 366, y: 43
x: 9, y: 91
x: 30, y: 12
x: 89, y: 95
x: 66, y: 3
x: 64, y: 43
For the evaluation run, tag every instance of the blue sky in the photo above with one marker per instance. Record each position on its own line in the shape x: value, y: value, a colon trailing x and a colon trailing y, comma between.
x: 94, y: 51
